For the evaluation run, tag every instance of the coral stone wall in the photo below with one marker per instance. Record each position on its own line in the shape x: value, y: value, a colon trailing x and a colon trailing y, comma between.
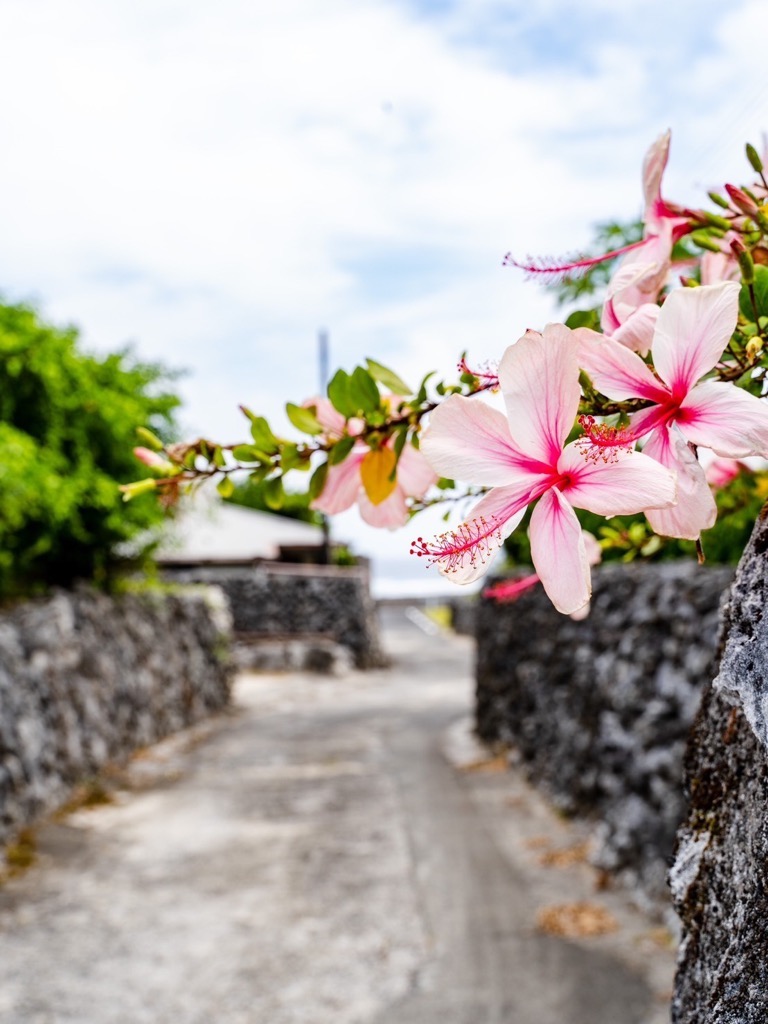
x: 720, y: 875
x: 86, y: 678
x: 599, y: 710
x: 273, y: 599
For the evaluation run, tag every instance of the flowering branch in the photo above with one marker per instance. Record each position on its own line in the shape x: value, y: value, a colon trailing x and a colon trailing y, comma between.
x: 607, y: 413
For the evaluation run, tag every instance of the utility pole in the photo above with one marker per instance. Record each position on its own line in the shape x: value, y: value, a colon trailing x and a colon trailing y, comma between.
x: 322, y: 358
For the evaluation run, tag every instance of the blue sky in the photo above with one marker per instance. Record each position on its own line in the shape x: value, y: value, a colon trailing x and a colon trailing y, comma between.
x: 217, y: 182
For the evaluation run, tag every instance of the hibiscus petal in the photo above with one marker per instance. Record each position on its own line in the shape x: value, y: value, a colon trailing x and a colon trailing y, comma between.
x: 559, y: 554
x: 390, y: 514
x: 637, y: 330
x: 539, y: 378
x: 627, y: 482
x: 726, y: 419
x: 694, y: 326
x: 468, y: 440
x: 615, y: 370
x: 342, y: 485
x: 414, y: 473
x: 464, y: 554
x: 654, y: 163
x: 695, y: 510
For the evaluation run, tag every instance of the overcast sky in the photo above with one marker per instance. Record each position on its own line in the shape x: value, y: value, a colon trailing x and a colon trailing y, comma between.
x: 216, y: 182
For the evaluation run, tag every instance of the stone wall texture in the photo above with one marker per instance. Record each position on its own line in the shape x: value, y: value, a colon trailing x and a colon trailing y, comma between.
x: 719, y: 878
x: 599, y: 710
x: 86, y: 679
x: 273, y: 599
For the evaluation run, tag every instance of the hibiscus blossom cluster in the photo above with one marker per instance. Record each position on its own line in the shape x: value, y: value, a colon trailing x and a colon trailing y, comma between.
x: 615, y: 413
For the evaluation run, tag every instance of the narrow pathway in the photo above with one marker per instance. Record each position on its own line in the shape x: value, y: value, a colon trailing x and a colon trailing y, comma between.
x: 313, y: 857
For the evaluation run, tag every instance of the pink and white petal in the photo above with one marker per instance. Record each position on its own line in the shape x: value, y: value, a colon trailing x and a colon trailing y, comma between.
x: 468, y: 440
x: 464, y: 554
x: 643, y: 422
x: 615, y: 371
x: 627, y: 482
x: 719, y: 266
x: 331, y: 420
x: 342, y: 485
x: 592, y: 547
x: 726, y: 419
x: 695, y: 510
x: 558, y: 553
x: 539, y: 378
x: 654, y: 163
x: 390, y: 514
x: 414, y: 473
x: 609, y: 319
x: 693, y: 328
x: 637, y: 330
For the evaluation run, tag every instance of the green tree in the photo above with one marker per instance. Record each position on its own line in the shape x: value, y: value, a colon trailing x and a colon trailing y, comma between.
x: 67, y: 430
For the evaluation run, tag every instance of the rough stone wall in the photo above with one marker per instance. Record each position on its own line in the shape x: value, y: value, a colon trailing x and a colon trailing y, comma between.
x: 598, y: 710
x: 719, y: 878
x: 86, y: 679
x: 272, y: 599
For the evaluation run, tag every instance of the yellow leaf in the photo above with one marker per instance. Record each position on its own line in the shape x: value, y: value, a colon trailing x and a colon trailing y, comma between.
x: 376, y: 471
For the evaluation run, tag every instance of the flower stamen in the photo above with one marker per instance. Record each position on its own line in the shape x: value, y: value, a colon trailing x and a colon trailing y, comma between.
x: 602, y: 441
x: 488, y: 375
x: 551, y: 270
x: 475, y: 541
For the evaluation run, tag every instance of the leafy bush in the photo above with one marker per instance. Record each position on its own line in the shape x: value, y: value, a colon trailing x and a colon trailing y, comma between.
x: 67, y: 429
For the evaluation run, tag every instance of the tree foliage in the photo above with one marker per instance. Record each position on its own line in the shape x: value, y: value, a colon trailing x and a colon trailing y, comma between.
x: 67, y: 428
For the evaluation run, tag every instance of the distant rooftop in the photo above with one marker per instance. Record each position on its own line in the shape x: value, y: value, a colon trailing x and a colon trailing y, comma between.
x: 209, y: 531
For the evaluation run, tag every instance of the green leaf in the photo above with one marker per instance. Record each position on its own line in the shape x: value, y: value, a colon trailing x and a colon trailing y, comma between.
x: 249, y: 453
x: 341, y: 450
x: 225, y: 487
x: 422, y: 393
x: 317, y: 480
x: 274, y: 495
x: 218, y: 457
x: 303, y: 419
x: 262, y: 435
x: 339, y: 394
x: 400, y: 438
x: 363, y: 391
x: 583, y: 318
x: 293, y: 457
x: 761, y: 295
x: 388, y: 378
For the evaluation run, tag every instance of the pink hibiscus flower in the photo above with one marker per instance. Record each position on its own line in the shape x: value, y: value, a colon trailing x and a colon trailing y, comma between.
x: 524, y: 459
x: 692, y: 331
x: 365, y: 476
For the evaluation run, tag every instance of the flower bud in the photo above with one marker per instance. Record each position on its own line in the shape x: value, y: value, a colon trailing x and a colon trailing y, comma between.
x: 742, y: 201
x: 753, y: 348
x: 716, y: 221
x: 705, y: 241
x: 719, y: 200
x: 754, y: 158
x: 136, y: 488
x: 746, y: 263
x: 155, y: 461
x: 150, y: 438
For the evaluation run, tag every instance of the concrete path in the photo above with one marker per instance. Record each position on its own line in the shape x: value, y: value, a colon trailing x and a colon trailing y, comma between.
x: 333, y: 851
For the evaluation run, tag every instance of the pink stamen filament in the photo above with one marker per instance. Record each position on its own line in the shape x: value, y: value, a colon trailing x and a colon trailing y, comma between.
x: 476, y: 540
x: 489, y: 378
x: 551, y: 270
x: 509, y: 590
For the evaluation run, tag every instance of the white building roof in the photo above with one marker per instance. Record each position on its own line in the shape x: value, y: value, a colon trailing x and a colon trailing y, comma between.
x: 206, y: 530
